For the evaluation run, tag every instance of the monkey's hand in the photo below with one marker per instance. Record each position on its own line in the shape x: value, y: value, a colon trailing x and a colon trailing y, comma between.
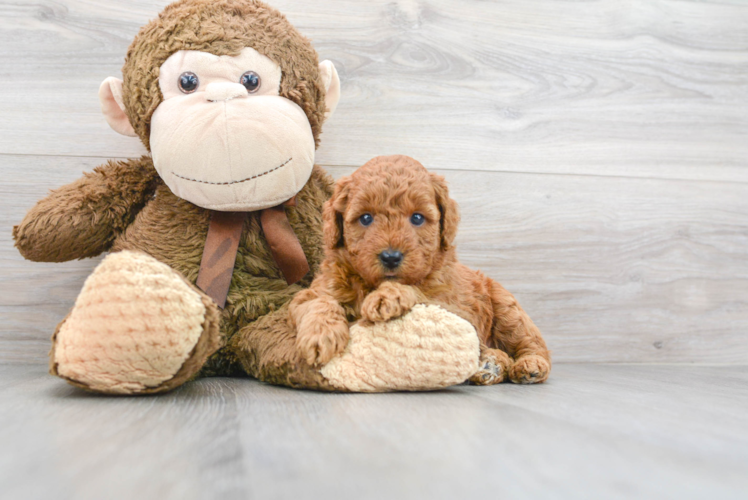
x: 390, y: 300
x: 83, y: 218
x: 321, y: 327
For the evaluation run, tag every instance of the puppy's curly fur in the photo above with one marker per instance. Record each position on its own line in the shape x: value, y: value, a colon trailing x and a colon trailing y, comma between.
x: 355, y: 282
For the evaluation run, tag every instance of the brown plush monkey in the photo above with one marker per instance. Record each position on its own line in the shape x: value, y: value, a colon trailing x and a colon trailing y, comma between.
x: 229, y: 99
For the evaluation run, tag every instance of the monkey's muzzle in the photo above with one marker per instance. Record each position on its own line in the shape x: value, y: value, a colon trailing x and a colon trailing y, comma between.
x: 223, y: 150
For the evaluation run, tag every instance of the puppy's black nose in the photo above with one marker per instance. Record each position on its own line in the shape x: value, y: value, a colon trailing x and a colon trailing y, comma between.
x: 391, y: 258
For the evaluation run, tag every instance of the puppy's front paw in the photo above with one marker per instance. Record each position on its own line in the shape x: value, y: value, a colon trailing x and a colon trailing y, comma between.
x: 388, y: 301
x: 529, y: 369
x: 319, y: 339
x: 494, y: 365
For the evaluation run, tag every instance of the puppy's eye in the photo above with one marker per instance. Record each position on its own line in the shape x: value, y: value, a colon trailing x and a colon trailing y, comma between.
x: 417, y: 219
x: 366, y: 219
x: 251, y: 81
x: 188, y: 82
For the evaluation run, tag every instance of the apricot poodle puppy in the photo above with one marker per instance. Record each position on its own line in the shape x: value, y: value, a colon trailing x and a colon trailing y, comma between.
x: 389, y: 230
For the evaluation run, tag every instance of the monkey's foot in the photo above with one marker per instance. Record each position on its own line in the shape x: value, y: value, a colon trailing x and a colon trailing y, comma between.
x: 494, y: 364
x: 428, y: 348
x: 137, y: 327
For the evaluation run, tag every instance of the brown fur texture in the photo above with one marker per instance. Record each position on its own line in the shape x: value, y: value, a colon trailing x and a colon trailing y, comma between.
x: 353, y: 283
x: 267, y: 351
x: 124, y: 205
x: 83, y: 218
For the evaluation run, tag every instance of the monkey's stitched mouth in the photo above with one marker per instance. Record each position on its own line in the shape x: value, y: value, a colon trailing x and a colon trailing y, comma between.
x: 234, y: 182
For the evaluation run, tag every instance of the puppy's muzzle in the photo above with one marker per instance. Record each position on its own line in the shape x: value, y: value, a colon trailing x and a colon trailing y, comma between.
x: 391, y: 259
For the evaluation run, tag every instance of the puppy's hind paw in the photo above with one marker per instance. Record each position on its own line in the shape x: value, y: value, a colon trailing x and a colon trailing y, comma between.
x: 318, y: 341
x: 389, y: 301
x: 494, y: 365
x: 530, y: 369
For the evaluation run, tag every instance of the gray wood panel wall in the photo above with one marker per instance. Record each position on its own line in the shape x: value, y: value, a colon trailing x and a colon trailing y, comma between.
x: 598, y: 150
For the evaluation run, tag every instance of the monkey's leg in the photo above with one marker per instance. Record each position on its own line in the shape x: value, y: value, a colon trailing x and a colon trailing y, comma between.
x: 515, y: 333
x: 267, y: 350
x: 428, y: 348
x: 137, y: 327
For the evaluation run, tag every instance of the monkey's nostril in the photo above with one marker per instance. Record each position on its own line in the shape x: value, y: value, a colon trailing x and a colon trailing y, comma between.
x: 391, y: 258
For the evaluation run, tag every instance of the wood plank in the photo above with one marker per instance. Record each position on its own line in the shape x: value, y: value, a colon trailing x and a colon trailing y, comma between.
x: 611, y: 269
x: 592, y: 431
x: 646, y: 89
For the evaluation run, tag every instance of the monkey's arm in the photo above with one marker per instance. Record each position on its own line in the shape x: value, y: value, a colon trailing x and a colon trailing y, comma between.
x: 83, y: 218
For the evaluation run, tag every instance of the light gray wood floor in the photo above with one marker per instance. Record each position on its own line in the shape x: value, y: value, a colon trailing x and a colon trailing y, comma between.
x: 593, y: 431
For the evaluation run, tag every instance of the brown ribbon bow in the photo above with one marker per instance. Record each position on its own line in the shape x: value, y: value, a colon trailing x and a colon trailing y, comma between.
x: 222, y: 245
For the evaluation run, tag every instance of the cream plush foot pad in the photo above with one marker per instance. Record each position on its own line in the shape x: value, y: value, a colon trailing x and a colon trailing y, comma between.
x: 133, y: 326
x: 428, y: 348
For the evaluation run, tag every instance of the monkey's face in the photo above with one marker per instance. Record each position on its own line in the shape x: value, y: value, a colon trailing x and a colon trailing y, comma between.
x: 230, y: 127
x: 223, y: 138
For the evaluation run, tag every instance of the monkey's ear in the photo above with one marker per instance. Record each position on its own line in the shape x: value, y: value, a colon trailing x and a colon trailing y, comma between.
x: 331, y: 81
x: 332, y: 214
x: 110, y: 96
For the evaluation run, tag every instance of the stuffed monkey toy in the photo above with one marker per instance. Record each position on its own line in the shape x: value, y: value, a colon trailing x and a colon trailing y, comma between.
x: 213, y: 232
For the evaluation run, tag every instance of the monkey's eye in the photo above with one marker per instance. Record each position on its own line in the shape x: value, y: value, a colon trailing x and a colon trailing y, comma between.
x: 251, y: 81
x: 366, y: 219
x: 417, y: 219
x: 188, y: 82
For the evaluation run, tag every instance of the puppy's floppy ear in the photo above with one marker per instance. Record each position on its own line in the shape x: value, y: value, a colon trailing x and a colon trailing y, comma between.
x: 450, y: 217
x: 332, y: 214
